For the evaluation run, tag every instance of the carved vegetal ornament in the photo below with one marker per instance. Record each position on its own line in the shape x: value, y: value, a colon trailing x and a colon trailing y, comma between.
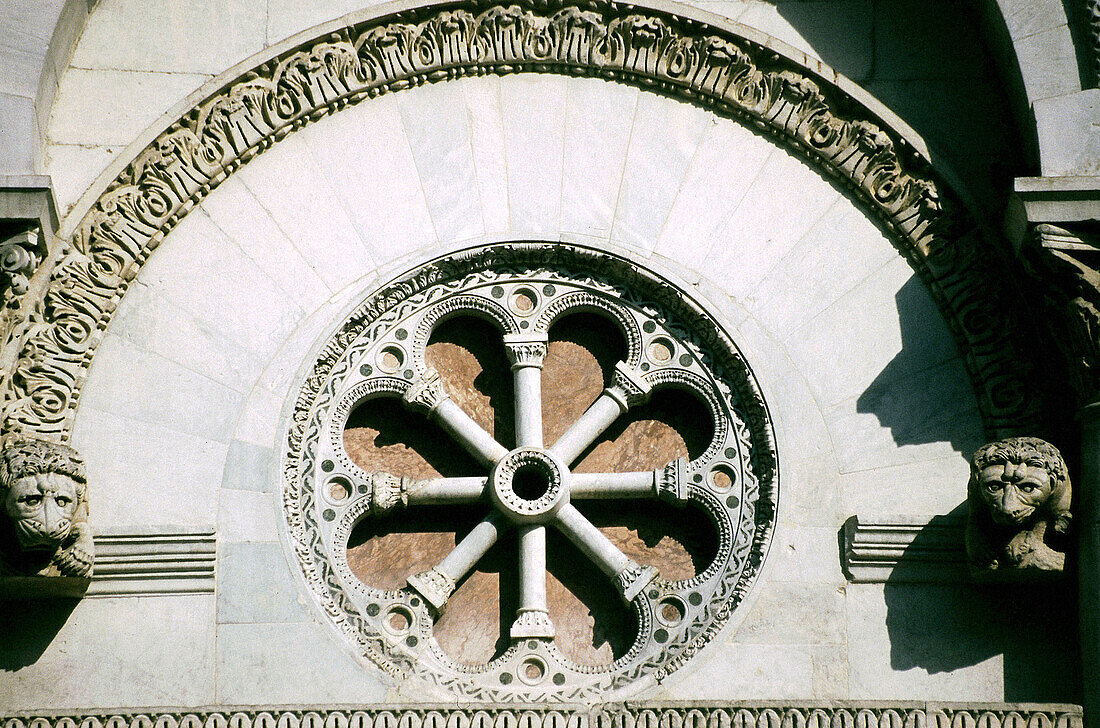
x: 44, y: 531
x: 529, y: 485
x: 1019, y: 500
x: 684, y: 58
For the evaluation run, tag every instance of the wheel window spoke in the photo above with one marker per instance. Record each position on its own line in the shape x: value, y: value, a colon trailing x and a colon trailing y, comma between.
x: 428, y: 395
x: 532, y: 617
x: 613, y: 485
x: 626, y: 390
x: 446, y: 491
x: 438, y: 583
x: 630, y: 576
x: 526, y: 353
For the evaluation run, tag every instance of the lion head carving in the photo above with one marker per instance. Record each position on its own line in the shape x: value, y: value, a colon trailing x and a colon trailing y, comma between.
x: 43, y: 489
x: 1018, y: 488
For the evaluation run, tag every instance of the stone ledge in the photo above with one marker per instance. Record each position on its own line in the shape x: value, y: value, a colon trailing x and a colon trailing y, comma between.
x: 1056, y: 200
x: 153, y: 563
x: 29, y: 198
x: 140, y: 564
x: 904, y: 550
x: 687, y: 714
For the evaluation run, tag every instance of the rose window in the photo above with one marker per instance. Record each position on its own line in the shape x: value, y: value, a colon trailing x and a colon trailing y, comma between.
x: 487, y: 444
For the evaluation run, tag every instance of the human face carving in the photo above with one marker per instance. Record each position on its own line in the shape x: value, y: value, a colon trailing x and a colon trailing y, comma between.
x: 1014, y: 490
x: 41, y: 507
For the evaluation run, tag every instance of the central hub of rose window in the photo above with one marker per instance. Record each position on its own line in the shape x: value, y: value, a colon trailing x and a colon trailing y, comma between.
x: 529, y: 485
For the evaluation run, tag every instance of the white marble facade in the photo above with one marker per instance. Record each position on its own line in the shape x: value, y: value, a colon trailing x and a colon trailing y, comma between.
x: 182, y: 415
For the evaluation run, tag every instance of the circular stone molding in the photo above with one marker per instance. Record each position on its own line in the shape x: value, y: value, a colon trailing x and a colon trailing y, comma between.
x: 523, y: 288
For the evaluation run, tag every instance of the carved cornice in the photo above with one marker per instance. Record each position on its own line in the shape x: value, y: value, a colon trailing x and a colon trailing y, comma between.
x: 684, y: 58
x: 904, y: 550
x: 154, y: 563
x: 639, y: 715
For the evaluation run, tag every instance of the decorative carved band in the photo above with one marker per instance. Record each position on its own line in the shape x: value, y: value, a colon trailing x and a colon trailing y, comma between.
x: 684, y: 58
x: 635, y: 715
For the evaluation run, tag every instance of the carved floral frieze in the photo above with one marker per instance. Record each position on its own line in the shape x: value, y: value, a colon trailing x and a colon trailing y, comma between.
x: 683, y: 58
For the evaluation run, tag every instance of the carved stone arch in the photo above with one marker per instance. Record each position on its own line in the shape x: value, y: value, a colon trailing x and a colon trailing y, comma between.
x: 689, y: 55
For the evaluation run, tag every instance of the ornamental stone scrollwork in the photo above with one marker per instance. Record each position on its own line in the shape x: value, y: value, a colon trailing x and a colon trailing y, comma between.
x: 20, y: 256
x: 1065, y: 265
x: 44, y: 531
x: 635, y: 715
x: 1019, y: 500
x: 686, y: 59
x: 530, y: 486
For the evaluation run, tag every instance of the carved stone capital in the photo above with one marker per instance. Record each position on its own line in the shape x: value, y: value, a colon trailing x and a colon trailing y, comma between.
x: 426, y: 393
x: 20, y: 256
x: 1019, y: 500
x: 1065, y: 267
x: 633, y: 578
x: 44, y: 521
x: 388, y: 492
x: 525, y: 350
x: 435, y: 586
x: 532, y: 623
x: 627, y: 387
x: 671, y: 482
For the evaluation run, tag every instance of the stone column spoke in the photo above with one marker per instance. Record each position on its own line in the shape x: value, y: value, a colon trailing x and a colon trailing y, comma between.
x: 526, y: 353
x: 447, y: 491
x: 626, y: 390
x: 427, y: 394
x: 630, y: 576
x: 438, y: 583
x: 612, y: 485
x: 532, y: 617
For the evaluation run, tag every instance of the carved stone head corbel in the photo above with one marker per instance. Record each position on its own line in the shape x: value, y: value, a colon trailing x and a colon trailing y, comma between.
x: 43, y: 528
x: 1019, y: 499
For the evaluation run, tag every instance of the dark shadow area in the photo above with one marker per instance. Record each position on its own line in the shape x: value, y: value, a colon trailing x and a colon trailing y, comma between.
x: 920, y: 394
x: 592, y: 624
x: 29, y: 627
x: 673, y: 423
x: 958, y: 622
x: 582, y: 353
x: 931, y: 63
x: 1088, y: 70
x: 468, y: 353
x: 680, y: 543
x: 382, y: 435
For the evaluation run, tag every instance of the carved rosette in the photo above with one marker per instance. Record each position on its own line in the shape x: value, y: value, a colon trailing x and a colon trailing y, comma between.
x: 733, y: 481
x: 686, y: 59
x: 44, y: 521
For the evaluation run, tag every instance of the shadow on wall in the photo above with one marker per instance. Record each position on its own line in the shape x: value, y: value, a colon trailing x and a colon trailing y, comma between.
x: 948, y: 626
x: 29, y: 628
x: 920, y: 394
x: 929, y: 62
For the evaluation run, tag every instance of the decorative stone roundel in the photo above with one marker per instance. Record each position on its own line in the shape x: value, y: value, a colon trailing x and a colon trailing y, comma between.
x: 523, y: 288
